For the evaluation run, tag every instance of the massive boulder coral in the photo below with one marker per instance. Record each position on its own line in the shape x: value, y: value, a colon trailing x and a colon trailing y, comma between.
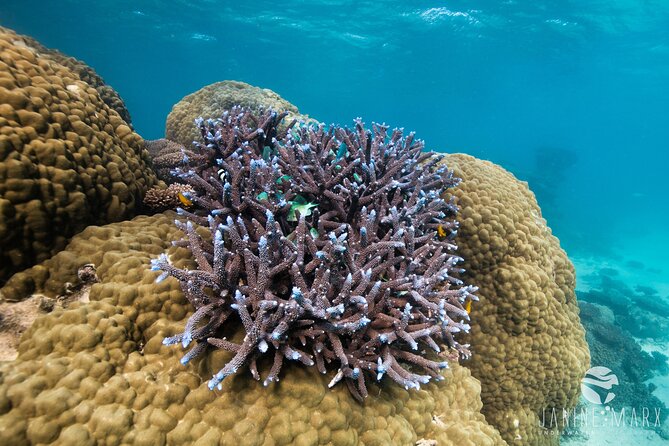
x: 66, y: 159
x: 211, y: 101
x: 528, y: 345
x: 98, y: 373
x: 85, y: 73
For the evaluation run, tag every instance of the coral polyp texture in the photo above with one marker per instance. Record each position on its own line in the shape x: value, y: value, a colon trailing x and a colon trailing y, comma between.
x: 67, y: 160
x: 165, y: 156
x: 528, y: 344
x: 158, y: 200
x: 212, y: 100
x: 332, y: 247
x: 85, y: 73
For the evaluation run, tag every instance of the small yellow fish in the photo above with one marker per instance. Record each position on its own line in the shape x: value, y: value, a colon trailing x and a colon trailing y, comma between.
x: 185, y: 200
x: 468, y: 306
x: 441, y: 232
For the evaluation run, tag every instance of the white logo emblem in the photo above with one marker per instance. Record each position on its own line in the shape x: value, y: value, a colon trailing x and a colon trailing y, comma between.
x: 596, y: 383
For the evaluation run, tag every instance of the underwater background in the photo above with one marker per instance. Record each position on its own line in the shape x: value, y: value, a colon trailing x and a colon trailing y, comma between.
x: 569, y: 96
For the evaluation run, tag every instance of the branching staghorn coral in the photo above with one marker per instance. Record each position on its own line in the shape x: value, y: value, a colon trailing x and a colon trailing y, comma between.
x: 333, y: 247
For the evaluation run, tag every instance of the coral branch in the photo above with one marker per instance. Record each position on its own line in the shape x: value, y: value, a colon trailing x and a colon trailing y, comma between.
x: 332, y: 247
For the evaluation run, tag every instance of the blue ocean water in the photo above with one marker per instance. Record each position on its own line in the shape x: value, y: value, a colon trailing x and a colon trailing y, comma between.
x: 570, y: 96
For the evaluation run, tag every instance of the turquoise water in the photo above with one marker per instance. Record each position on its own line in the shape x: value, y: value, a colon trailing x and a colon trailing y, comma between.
x: 570, y: 96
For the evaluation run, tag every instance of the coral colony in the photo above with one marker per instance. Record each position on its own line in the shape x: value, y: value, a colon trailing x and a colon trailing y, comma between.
x: 333, y: 247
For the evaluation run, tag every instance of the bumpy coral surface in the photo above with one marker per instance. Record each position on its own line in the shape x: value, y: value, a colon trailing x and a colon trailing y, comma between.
x: 528, y: 345
x: 98, y: 373
x: 211, y: 101
x: 175, y: 196
x: 66, y: 159
x: 331, y: 246
x: 165, y: 156
x: 86, y: 74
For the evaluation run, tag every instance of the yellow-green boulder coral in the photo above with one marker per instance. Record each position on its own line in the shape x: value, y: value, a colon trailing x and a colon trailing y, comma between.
x: 67, y: 160
x: 528, y: 344
x: 211, y: 101
x: 85, y: 73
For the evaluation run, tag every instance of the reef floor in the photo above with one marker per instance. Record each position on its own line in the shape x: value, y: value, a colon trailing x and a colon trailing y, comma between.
x: 630, y: 298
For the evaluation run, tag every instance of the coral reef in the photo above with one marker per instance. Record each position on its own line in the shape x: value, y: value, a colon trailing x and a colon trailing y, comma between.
x: 165, y: 156
x: 330, y: 246
x: 175, y: 196
x: 98, y: 373
x: 66, y: 159
x: 614, y: 347
x: 528, y: 346
x: 642, y: 307
x: 211, y: 101
x: 85, y: 73
x: 615, y: 315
